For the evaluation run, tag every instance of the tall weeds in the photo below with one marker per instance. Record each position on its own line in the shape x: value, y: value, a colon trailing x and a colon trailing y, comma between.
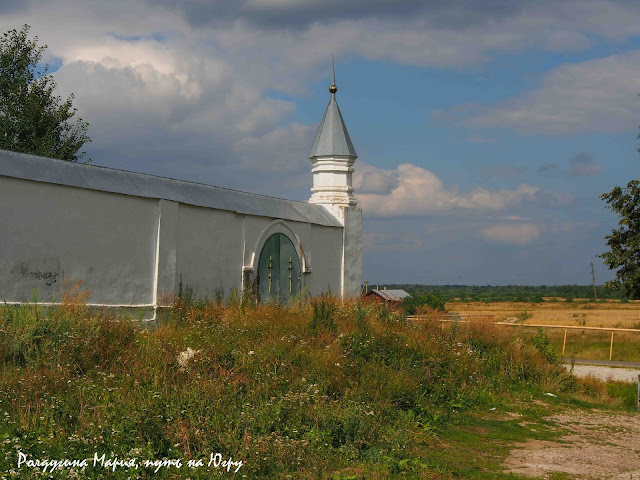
x: 301, y: 390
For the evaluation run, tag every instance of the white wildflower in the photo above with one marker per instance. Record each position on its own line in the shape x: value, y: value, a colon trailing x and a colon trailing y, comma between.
x: 186, y: 356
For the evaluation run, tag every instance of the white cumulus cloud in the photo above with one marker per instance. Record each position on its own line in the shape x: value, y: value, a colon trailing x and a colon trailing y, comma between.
x: 418, y: 191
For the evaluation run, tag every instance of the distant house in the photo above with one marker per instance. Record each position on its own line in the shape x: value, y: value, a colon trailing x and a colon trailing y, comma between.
x: 387, y: 296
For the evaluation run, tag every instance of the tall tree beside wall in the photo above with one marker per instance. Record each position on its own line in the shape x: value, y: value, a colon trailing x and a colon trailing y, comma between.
x: 32, y: 118
x: 624, y: 242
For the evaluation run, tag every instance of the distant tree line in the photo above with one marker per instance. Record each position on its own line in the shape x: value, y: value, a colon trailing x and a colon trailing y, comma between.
x: 509, y: 293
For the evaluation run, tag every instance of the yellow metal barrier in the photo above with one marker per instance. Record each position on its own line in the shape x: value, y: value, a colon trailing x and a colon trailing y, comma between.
x: 459, y: 318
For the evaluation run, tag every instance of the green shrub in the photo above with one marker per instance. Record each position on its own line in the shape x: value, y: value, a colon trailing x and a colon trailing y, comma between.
x: 543, y: 344
x: 413, y: 303
x: 524, y: 316
x: 627, y: 392
x: 361, y: 317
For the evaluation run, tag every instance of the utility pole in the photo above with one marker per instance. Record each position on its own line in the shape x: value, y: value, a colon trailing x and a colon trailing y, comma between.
x: 593, y: 277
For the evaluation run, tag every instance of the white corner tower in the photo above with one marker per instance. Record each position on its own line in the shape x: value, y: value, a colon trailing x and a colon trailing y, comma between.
x: 332, y: 157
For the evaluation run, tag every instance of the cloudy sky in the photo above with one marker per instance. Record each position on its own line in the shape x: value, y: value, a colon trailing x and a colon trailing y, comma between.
x: 486, y: 129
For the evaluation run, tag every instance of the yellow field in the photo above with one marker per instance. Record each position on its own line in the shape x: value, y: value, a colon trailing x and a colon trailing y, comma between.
x: 610, y: 314
x: 583, y: 344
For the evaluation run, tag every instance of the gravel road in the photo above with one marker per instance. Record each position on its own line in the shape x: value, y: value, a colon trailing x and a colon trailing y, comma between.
x: 604, y: 372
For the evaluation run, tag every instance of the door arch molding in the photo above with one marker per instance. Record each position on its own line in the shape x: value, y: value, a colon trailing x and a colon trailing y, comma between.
x: 277, y: 226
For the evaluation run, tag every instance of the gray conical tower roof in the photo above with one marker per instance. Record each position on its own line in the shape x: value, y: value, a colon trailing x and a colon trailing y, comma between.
x: 332, y: 137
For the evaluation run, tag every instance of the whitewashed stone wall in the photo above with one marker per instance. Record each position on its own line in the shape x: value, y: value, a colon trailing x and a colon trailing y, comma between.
x: 133, y: 251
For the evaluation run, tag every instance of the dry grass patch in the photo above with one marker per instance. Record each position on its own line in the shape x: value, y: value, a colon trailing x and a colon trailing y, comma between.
x: 583, y: 344
x: 606, y: 314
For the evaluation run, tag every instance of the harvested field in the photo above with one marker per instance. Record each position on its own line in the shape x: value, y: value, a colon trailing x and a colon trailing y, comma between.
x: 583, y: 344
x: 579, y: 313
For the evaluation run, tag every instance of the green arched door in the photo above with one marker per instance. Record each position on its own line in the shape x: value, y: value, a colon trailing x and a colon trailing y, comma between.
x: 278, y: 269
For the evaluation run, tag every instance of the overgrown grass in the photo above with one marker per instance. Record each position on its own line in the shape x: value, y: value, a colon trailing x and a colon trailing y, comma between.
x: 595, y: 345
x: 321, y: 389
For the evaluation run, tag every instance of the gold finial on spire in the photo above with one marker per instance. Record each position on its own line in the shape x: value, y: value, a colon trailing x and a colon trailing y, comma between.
x: 333, y: 89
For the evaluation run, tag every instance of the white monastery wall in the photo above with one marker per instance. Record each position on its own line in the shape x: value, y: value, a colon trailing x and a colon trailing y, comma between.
x: 352, y: 262
x: 52, y: 232
x: 219, y: 250
x: 209, y: 250
x: 133, y: 251
x: 326, y: 260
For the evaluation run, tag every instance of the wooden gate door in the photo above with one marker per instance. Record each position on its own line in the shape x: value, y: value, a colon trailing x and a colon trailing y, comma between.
x: 278, y: 269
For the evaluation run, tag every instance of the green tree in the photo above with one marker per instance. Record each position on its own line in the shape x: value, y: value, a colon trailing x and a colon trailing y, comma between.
x: 33, y: 119
x: 624, y: 242
x: 412, y: 303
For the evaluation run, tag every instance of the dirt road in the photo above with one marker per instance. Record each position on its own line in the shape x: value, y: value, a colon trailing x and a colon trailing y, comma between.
x: 606, y: 373
x: 599, y: 445
x: 605, y: 370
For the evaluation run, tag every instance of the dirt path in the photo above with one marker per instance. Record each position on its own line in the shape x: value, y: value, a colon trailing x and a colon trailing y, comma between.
x: 600, y: 445
x: 605, y: 373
